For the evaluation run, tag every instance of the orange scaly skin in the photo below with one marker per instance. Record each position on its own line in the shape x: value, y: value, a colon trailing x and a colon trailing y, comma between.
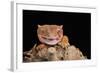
x: 64, y: 42
x: 50, y: 34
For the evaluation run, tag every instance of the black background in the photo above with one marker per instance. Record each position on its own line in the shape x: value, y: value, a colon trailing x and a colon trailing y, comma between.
x: 77, y: 26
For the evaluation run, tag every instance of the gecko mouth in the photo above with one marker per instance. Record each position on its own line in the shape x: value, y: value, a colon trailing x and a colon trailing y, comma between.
x: 50, y: 39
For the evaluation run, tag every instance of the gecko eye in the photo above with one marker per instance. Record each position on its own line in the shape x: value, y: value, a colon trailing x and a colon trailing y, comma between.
x: 42, y: 32
x: 60, y: 31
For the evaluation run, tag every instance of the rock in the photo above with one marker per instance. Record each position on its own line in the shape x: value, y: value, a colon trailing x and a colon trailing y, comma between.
x: 73, y: 53
x: 52, y: 54
x: 41, y: 52
x: 61, y: 51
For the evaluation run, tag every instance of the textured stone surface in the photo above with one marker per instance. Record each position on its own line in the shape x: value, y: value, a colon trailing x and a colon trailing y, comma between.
x: 44, y: 52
